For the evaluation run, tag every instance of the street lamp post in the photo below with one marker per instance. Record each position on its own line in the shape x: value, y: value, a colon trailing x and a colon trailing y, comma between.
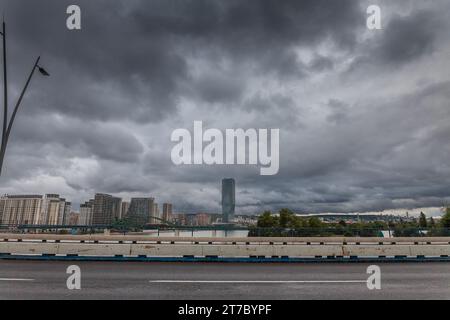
x: 7, y: 125
x: 5, y: 89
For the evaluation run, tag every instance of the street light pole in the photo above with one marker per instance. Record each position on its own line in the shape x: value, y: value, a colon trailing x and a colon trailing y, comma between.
x: 7, y: 125
x: 5, y: 95
x: 13, y: 116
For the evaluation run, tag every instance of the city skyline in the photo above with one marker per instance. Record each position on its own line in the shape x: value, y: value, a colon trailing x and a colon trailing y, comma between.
x: 106, y: 210
x: 166, y: 207
x: 102, y: 210
x: 362, y: 114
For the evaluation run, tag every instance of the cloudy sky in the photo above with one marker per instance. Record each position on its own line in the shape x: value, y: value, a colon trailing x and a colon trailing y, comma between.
x: 363, y: 115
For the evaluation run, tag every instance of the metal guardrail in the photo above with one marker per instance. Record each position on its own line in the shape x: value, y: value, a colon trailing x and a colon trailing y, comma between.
x: 343, y: 231
x: 349, y: 231
x: 169, y: 226
x: 230, y: 241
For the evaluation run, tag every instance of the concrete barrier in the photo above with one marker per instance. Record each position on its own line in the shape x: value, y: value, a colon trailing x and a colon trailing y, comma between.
x: 139, y: 246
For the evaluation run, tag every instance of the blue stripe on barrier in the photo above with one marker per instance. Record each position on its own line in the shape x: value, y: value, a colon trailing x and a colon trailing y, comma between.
x: 352, y: 259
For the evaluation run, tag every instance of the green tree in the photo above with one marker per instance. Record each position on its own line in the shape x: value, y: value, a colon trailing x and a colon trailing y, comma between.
x: 314, y: 222
x: 432, y: 222
x: 423, y: 220
x: 267, y: 220
x: 445, y: 220
x: 299, y: 223
x: 287, y: 218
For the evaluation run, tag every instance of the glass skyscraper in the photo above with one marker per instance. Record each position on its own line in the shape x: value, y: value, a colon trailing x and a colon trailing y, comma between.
x: 228, y: 199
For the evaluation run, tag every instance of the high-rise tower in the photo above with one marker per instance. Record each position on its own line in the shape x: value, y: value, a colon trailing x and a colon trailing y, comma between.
x: 228, y: 200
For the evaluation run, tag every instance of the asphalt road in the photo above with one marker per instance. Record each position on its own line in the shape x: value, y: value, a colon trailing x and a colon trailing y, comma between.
x: 117, y: 280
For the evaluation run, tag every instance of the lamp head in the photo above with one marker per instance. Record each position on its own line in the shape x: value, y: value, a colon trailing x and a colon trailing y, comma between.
x: 43, y: 71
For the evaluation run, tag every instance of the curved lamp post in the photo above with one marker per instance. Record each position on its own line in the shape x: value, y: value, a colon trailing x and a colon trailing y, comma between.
x: 7, y: 125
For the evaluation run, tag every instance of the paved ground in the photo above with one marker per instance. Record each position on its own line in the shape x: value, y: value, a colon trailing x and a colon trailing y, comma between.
x: 116, y: 280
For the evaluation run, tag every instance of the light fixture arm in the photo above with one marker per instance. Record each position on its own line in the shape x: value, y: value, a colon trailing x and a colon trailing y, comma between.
x: 13, y: 116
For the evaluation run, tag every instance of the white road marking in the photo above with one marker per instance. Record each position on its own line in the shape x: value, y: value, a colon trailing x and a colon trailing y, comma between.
x: 15, y: 279
x: 258, y: 281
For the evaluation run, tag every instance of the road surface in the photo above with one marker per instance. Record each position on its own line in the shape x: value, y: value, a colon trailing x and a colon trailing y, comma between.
x: 117, y: 280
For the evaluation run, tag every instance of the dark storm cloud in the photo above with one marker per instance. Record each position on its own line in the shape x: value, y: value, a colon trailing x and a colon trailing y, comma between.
x: 218, y: 88
x: 104, y: 141
x: 107, y: 70
x: 409, y: 37
x: 338, y: 111
x: 139, y: 69
x: 377, y: 161
x: 321, y: 63
x: 405, y: 39
x: 255, y: 27
x: 141, y: 49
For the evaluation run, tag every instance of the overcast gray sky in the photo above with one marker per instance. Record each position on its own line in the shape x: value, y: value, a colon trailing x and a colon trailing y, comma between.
x: 363, y: 115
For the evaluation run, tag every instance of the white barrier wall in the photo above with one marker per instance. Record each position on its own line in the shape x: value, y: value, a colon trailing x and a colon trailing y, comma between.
x: 238, y: 250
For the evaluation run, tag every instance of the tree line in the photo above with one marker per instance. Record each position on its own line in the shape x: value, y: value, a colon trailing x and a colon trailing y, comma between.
x: 286, y: 223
